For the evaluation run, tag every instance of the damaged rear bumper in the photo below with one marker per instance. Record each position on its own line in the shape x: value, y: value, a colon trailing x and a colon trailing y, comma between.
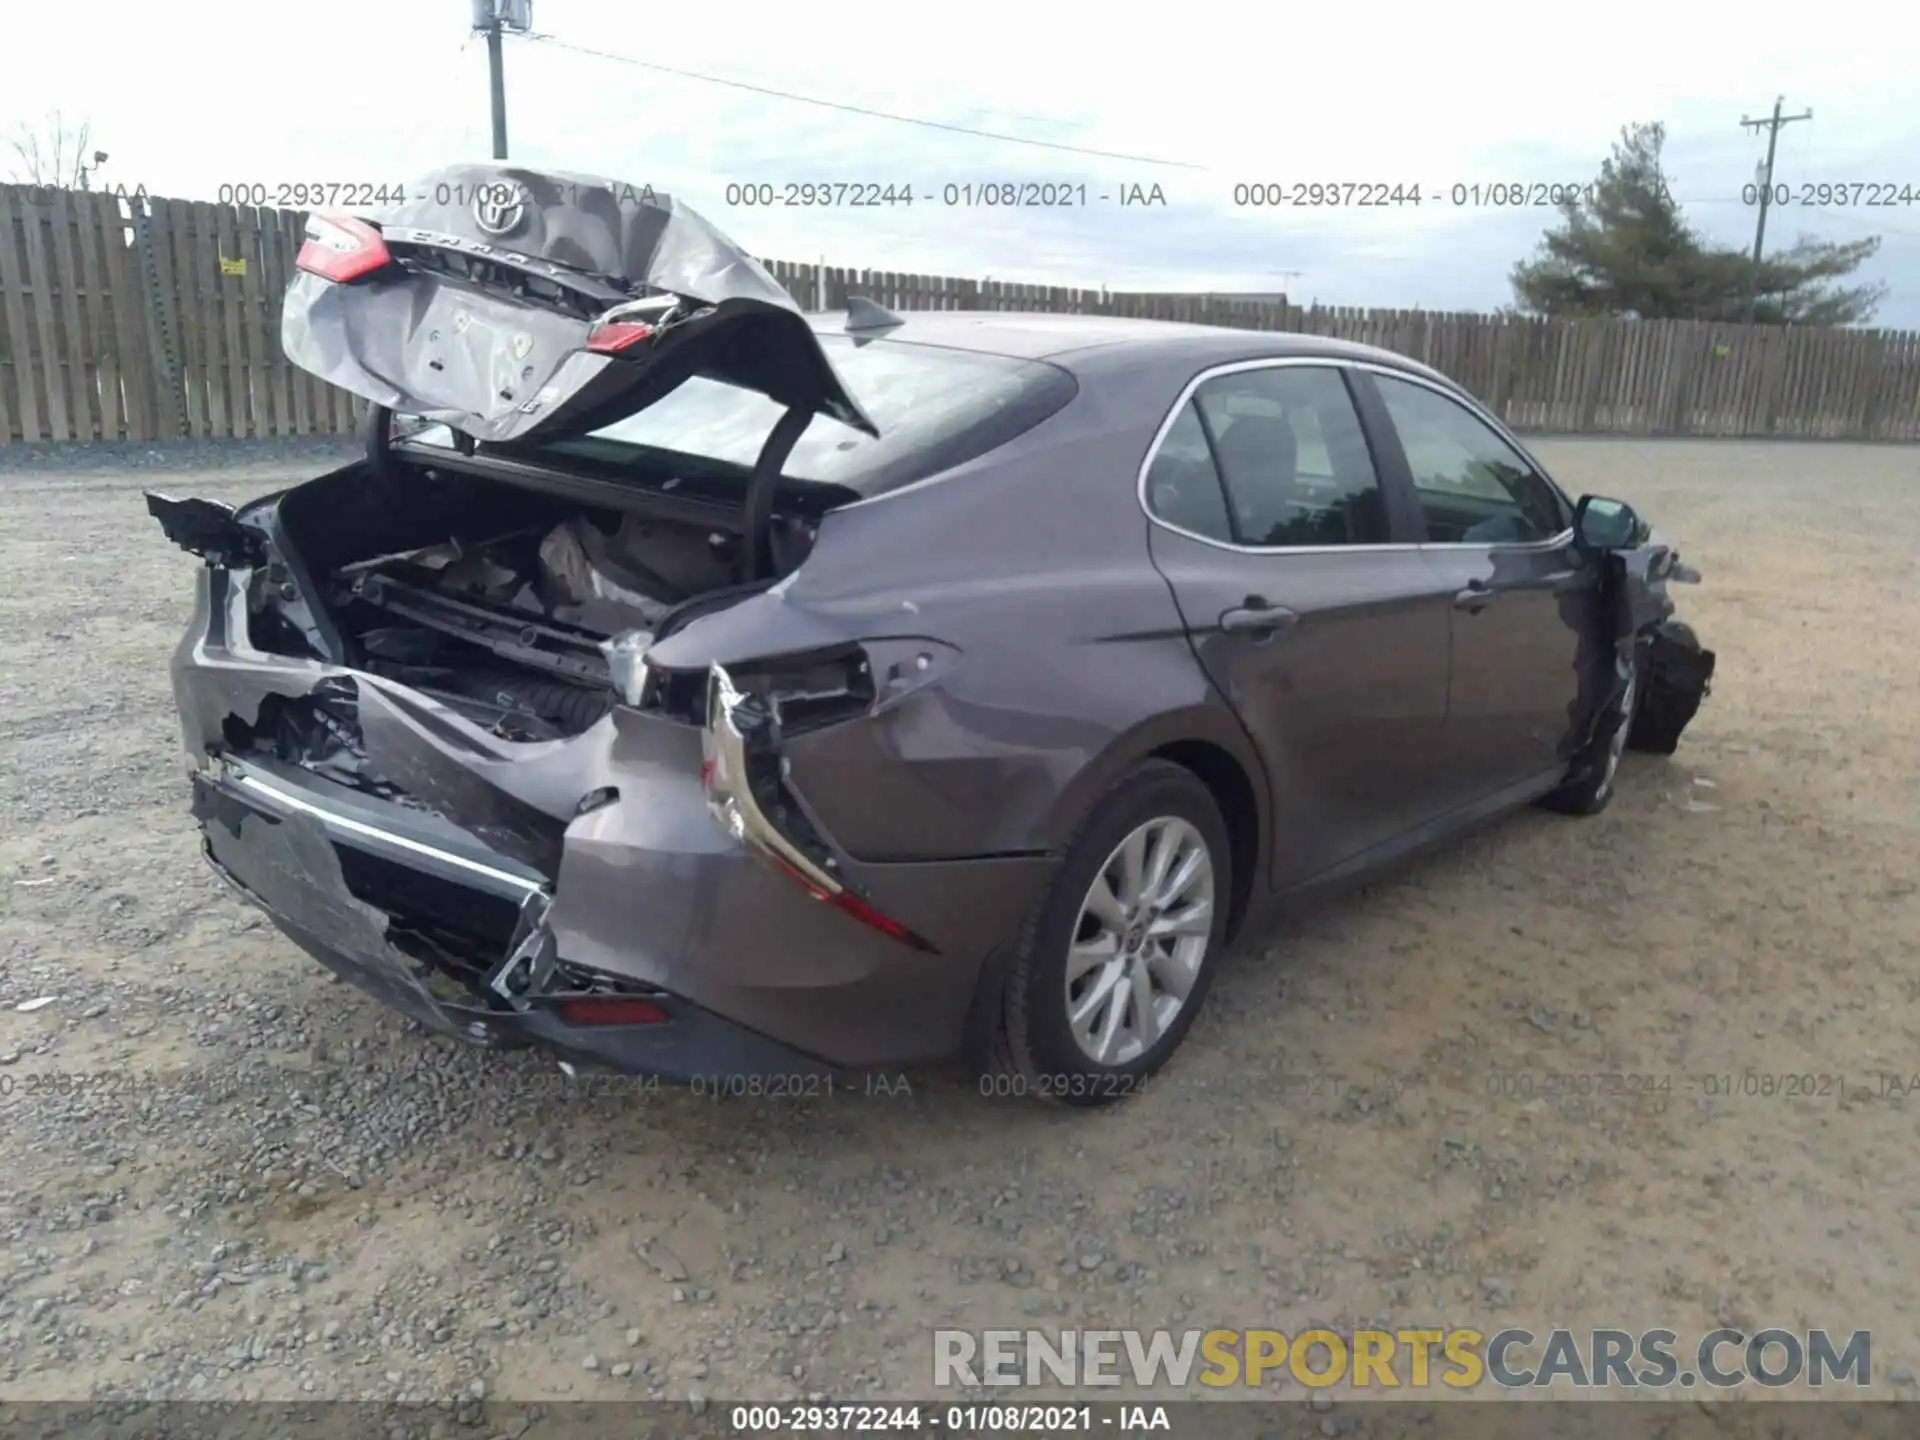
x: 317, y: 863
x: 548, y: 892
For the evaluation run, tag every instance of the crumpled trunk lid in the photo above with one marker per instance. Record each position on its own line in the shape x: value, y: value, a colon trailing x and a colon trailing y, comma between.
x: 497, y: 275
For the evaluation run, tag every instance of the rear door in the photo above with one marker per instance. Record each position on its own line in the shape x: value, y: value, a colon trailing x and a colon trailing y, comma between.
x: 1309, y: 603
x: 1523, y: 601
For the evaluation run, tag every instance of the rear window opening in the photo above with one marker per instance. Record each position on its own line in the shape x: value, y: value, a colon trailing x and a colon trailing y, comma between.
x: 935, y: 408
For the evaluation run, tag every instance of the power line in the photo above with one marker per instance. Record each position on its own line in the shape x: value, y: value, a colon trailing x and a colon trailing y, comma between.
x: 878, y: 114
x: 1852, y: 219
x: 863, y: 109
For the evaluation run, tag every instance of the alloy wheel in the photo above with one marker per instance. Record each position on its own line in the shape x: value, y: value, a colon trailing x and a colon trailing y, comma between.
x: 1140, y: 939
x: 1617, y: 742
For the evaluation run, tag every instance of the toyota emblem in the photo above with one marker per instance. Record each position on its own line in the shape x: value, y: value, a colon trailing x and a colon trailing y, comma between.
x: 496, y: 211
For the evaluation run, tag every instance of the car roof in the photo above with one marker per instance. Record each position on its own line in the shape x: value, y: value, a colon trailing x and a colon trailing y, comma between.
x: 1056, y: 337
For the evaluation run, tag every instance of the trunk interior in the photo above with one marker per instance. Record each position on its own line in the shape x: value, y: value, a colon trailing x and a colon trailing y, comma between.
x: 519, y: 610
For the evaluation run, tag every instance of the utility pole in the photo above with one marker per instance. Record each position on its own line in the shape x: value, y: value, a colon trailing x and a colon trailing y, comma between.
x: 497, y: 77
x: 492, y: 18
x: 1772, y: 127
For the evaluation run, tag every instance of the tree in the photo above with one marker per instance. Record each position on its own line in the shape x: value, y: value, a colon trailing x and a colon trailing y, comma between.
x: 1623, y: 249
x: 57, y: 155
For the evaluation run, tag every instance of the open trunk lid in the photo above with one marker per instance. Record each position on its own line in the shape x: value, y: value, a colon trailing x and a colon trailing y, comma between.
x: 514, y: 304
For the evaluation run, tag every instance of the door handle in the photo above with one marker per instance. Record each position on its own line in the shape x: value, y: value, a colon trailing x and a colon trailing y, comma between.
x: 1256, y: 615
x: 1475, y: 598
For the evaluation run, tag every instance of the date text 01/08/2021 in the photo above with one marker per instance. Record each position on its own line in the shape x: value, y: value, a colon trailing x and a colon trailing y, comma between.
x: 964, y: 194
x: 137, y: 1086
x: 1378, y: 194
x: 957, y: 1420
x: 1658, y: 1088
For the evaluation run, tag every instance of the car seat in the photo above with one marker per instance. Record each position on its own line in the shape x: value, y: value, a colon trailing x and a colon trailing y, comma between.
x: 1261, y: 457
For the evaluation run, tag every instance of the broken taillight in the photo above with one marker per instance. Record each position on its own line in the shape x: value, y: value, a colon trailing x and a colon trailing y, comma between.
x: 632, y: 323
x: 611, y: 1010
x: 740, y: 763
x: 614, y: 337
x: 844, y: 900
x: 340, y: 248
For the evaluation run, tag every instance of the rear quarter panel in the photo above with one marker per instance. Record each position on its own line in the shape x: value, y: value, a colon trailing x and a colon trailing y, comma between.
x: 1073, y: 663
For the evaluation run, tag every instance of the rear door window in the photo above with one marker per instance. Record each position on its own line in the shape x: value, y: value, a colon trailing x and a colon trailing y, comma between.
x: 1183, y: 488
x: 1293, y: 458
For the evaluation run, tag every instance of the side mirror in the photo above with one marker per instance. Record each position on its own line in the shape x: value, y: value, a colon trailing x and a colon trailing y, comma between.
x: 1600, y: 524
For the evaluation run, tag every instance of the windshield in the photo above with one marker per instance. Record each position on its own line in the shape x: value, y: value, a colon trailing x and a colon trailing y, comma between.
x: 934, y: 407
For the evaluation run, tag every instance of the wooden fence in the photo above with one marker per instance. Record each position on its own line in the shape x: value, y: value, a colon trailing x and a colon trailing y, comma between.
x: 140, y: 318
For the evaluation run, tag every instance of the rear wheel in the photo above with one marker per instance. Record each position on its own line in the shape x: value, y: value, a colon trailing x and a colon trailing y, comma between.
x: 1116, y: 962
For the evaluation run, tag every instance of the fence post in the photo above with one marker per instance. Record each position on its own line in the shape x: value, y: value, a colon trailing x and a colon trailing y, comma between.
x: 163, y: 333
x: 1870, y: 411
x: 1686, y: 370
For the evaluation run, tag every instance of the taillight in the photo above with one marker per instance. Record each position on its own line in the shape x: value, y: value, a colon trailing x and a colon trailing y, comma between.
x: 613, y: 337
x: 740, y: 773
x: 863, y: 912
x: 611, y: 1010
x: 340, y: 248
x: 633, y: 323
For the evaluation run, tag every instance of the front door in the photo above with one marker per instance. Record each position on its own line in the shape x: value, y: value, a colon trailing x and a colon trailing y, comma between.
x: 1524, y: 624
x: 1318, y: 620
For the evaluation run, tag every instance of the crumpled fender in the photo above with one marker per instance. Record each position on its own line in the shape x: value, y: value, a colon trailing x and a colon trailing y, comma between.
x: 1675, y: 669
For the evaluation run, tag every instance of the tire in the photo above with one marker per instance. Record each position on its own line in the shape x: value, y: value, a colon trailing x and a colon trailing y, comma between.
x: 1591, y: 778
x: 1038, y: 1051
x: 1679, y: 677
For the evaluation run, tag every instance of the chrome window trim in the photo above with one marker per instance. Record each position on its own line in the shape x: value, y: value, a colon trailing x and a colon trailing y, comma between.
x: 1329, y: 362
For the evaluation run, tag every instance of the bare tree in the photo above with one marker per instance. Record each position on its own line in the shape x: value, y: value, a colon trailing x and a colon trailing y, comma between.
x: 56, y: 154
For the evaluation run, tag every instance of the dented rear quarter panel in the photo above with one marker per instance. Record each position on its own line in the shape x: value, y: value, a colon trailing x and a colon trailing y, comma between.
x: 1073, y: 661
x: 647, y: 887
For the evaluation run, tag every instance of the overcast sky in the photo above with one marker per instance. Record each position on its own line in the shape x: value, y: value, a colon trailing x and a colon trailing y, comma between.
x: 185, y: 98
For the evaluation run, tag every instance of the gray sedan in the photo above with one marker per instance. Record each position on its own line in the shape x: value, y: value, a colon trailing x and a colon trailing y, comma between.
x: 707, y: 690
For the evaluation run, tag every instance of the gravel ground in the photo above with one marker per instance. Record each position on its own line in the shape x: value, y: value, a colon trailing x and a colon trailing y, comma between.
x: 260, y: 1184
